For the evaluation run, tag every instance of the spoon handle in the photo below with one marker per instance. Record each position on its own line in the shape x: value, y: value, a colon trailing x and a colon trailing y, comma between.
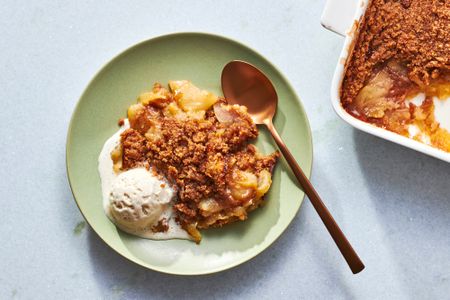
x: 354, y: 262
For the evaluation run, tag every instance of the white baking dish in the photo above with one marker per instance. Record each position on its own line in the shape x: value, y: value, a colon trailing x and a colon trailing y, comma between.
x: 341, y: 17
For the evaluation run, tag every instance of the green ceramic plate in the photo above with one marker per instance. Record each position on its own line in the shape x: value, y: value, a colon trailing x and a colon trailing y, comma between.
x: 200, y: 58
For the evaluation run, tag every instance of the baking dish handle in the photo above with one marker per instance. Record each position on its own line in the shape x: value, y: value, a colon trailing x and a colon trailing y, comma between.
x: 338, y: 15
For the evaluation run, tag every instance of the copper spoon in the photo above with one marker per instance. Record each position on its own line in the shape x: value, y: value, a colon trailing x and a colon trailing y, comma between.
x: 244, y: 84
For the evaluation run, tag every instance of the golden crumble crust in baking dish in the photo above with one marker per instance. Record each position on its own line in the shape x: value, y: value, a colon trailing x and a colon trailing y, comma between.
x: 401, y: 49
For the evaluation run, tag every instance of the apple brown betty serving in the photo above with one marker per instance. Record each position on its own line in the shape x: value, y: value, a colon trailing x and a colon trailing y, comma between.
x: 200, y: 144
x: 401, y: 52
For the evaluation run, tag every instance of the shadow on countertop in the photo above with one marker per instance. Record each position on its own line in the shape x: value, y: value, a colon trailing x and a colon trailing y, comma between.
x: 411, y: 195
x: 119, y: 278
x: 402, y: 176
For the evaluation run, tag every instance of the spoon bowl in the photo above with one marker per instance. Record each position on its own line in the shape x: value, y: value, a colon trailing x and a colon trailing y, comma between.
x: 244, y: 84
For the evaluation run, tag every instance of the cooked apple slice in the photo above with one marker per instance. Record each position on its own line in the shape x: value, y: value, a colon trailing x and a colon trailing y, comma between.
x: 190, y: 97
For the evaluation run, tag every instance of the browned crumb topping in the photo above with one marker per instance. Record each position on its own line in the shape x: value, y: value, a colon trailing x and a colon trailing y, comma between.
x: 402, y: 49
x: 217, y: 174
x: 416, y: 32
x: 161, y: 226
x: 134, y: 149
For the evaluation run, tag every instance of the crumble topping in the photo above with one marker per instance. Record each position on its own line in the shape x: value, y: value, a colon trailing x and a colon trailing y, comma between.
x: 402, y: 48
x: 204, y: 154
x: 416, y: 32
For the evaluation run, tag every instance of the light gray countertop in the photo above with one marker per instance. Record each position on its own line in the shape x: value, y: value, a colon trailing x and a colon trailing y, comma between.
x: 393, y: 203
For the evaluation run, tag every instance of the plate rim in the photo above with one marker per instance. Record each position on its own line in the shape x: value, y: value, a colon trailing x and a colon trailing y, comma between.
x: 131, y: 48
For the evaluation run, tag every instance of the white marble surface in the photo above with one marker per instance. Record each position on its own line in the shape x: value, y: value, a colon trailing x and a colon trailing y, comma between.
x: 393, y: 203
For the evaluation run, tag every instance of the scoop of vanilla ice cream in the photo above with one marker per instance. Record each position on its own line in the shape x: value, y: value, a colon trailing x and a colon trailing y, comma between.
x: 137, y: 200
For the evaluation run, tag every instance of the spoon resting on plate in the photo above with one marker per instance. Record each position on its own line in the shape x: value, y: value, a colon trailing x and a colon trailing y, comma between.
x: 244, y: 84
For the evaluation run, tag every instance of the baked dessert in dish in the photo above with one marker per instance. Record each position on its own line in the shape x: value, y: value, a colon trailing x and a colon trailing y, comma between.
x: 197, y: 147
x: 398, y: 70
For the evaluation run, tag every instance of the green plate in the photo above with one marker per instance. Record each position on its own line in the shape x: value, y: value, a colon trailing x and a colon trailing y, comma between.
x: 200, y: 58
